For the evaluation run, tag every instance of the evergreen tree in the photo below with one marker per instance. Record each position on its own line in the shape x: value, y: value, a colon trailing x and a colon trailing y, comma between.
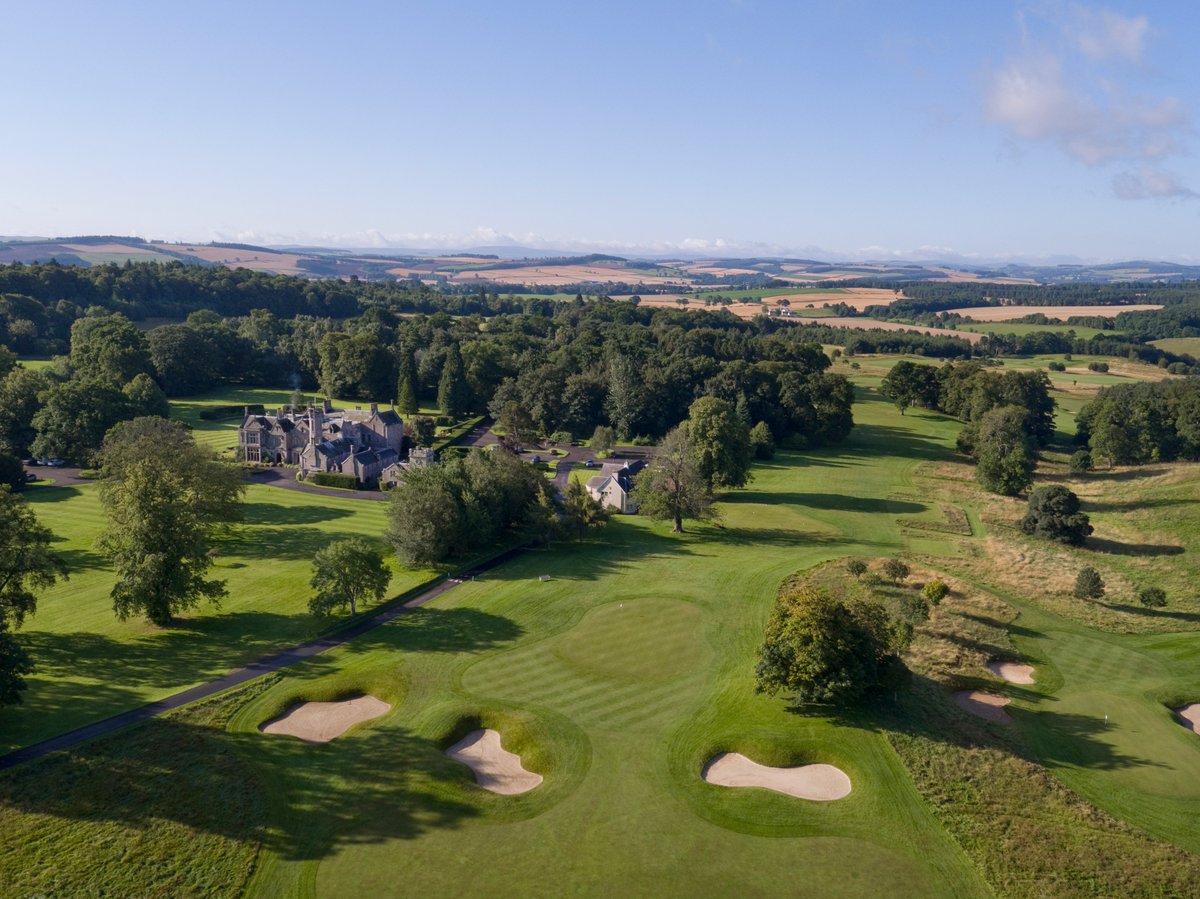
x: 452, y: 388
x: 407, y: 398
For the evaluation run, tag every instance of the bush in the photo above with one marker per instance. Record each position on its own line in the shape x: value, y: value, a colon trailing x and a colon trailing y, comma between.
x: 895, y: 570
x: 1152, y: 597
x: 562, y: 437
x: 856, y: 567
x: 1098, y: 366
x: 1088, y: 584
x: 935, y: 592
x: 1054, y: 514
x: 333, y: 479
x: 871, y: 579
x: 1057, y: 366
x: 1080, y: 462
x: 762, y: 441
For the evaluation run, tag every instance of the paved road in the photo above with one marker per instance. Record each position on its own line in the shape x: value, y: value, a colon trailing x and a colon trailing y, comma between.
x: 267, y: 664
x: 285, y: 478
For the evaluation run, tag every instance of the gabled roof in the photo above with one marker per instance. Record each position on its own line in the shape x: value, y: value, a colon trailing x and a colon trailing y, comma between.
x: 389, y: 417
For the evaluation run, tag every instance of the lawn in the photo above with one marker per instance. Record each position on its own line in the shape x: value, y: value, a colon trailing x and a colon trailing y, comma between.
x: 91, y: 666
x: 617, y: 678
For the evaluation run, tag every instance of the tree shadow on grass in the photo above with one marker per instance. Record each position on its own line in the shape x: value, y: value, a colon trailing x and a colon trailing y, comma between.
x: 428, y: 629
x: 1128, y: 474
x: 1144, y: 612
x: 48, y: 493
x: 1114, y: 547
x: 380, y: 784
x: 1162, y: 502
x: 833, y: 502
x: 292, y: 542
x: 273, y: 514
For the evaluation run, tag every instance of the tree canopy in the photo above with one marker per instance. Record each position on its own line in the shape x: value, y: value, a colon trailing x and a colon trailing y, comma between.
x: 1054, y: 514
x: 823, y: 649
x: 165, y: 498
x: 345, y: 573
x: 672, y: 487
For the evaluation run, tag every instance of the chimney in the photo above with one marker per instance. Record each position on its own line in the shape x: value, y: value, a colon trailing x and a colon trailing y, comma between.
x: 374, y: 408
x: 316, y: 421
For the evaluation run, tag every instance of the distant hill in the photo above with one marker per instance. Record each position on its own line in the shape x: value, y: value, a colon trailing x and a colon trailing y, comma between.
x: 514, y: 267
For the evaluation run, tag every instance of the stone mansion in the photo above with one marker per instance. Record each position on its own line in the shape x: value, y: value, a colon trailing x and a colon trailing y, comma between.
x: 357, y: 442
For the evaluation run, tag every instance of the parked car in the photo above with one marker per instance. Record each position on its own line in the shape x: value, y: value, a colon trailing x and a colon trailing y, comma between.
x: 52, y: 463
x: 589, y: 464
x: 30, y: 461
x: 536, y: 459
x: 30, y: 477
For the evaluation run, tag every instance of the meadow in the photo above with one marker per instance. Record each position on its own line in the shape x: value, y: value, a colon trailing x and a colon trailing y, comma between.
x: 619, y: 675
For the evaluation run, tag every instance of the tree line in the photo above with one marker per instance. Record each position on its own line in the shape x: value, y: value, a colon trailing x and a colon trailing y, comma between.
x: 1133, y: 424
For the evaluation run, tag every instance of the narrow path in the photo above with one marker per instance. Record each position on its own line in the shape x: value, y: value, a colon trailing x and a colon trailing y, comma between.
x: 266, y: 665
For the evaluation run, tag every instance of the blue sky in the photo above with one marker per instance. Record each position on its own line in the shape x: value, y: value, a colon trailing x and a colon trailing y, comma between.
x: 865, y: 129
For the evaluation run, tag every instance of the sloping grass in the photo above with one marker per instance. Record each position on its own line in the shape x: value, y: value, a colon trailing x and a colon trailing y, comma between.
x: 90, y: 665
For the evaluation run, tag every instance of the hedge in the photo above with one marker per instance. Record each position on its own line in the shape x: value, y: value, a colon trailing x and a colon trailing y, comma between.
x: 333, y: 479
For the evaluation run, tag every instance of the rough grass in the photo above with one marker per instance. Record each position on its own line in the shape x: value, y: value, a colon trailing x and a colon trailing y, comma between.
x: 90, y: 665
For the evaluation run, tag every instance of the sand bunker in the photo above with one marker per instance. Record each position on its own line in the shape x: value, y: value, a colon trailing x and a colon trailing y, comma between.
x: 984, y: 705
x: 1190, y: 716
x: 820, y: 783
x: 1012, y: 672
x: 320, y: 722
x: 495, y: 768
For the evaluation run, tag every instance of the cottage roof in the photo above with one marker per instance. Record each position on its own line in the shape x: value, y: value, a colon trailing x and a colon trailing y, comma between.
x: 389, y: 417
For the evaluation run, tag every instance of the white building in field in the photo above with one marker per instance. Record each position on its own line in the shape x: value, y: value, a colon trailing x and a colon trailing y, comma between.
x: 613, y: 487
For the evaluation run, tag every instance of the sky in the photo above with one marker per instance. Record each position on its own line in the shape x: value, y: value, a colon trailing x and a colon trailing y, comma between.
x: 842, y: 129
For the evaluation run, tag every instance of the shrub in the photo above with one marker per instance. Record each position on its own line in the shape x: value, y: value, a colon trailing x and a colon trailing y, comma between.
x: 333, y: 479
x: 935, y: 592
x: 562, y: 437
x: 762, y: 441
x: 1080, y: 462
x: 1098, y: 366
x: 856, y: 567
x: 895, y: 570
x: 871, y: 579
x: 1088, y: 584
x: 1057, y: 366
x: 1152, y: 597
x: 1054, y: 514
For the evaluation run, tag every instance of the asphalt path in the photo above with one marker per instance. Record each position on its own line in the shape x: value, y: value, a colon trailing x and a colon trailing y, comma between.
x: 265, y: 665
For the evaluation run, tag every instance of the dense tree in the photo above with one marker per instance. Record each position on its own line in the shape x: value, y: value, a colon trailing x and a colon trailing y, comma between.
x: 19, y: 403
x: 424, y: 431
x: 185, y: 362
x: 108, y: 348
x: 355, y: 366
x: 12, y: 472
x: 626, y: 395
x: 721, y: 442
x: 910, y: 384
x: 856, y: 567
x: 345, y: 573
x: 582, y: 511
x: 602, y: 440
x: 1088, y: 584
x: 823, y: 649
x: 1080, y: 462
x: 762, y: 441
x: 1054, y: 514
x: 27, y: 564
x: 165, y: 497
x: 74, y: 417
x: 407, y: 398
x: 1004, y: 454
x: 453, y: 390
x: 895, y: 570
x: 426, y: 517
x: 145, y: 398
x: 672, y: 488
x: 935, y: 591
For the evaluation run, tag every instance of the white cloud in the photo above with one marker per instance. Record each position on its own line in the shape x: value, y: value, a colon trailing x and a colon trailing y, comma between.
x: 1150, y: 183
x: 1103, y: 34
x: 1068, y: 95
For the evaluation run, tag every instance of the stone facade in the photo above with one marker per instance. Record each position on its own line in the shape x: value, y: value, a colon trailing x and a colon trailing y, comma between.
x: 361, y: 443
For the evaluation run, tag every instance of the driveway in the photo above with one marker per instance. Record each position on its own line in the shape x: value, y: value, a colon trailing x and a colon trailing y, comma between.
x: 285, y: 478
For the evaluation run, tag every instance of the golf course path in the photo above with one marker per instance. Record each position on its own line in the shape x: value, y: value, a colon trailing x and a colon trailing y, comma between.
x: 267, y: 664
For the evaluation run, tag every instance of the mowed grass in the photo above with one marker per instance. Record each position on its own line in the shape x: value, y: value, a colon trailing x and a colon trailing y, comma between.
x: 90, y: 665
x: 618, y: 678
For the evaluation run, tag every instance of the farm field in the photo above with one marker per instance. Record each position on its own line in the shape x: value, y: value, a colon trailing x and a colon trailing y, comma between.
x: 91, y: 666
x: 871, y: 324
x: 1182, y: 345
x: 1062, y: 313
x: 1020, y: 328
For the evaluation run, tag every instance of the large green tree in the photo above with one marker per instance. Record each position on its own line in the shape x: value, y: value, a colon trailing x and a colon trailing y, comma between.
x: 426, y: 519
x: 407, y: 385
x: 1054, y: 514
x: 820, y: 648
x: 108, y: 348
x: 345, y: 573
x: 165, y: 498
x: 453, y: 389
x: 74, y: 417
x: 27, y: 564
x: 672, y: 488
x: 582, y: 511
x: 1004, y: 451
x: 910, y: 384
x: 19, y: 403
x: 721, y: 442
